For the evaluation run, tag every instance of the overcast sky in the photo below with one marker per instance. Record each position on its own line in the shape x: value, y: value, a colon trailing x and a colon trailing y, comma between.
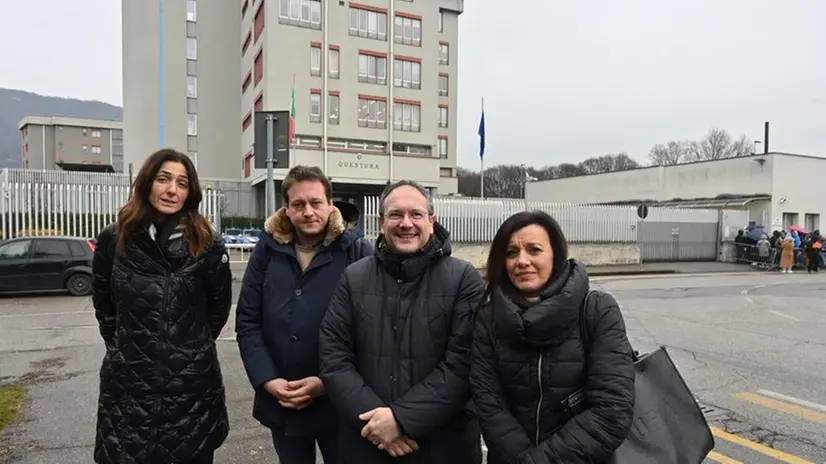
x: 562, y: 80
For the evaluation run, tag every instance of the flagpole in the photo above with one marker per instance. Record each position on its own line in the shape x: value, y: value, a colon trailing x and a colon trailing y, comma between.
x: 482, y: 161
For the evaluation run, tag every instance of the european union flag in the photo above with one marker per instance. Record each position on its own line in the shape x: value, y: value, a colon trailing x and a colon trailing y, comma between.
x: 482, y: 136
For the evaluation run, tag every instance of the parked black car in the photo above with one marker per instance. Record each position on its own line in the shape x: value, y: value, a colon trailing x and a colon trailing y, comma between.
x: 34, y: 264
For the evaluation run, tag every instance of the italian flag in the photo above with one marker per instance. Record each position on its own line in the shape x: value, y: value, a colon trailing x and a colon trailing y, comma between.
x: 292, y: 115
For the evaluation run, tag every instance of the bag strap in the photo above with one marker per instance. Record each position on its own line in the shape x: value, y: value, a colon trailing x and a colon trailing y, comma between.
x: 584, y: 322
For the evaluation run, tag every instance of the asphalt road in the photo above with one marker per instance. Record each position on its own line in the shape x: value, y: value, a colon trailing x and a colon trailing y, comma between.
x: 751, y: 347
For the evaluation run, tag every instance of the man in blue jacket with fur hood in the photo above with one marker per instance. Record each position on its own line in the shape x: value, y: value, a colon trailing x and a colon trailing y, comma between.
x: 289, y: 281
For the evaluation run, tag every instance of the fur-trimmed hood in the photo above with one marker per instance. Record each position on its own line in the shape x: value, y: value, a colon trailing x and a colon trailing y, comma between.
x: 279, y: 227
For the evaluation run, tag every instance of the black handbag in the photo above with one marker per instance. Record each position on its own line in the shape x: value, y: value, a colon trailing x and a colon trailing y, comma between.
x: 668, y: 426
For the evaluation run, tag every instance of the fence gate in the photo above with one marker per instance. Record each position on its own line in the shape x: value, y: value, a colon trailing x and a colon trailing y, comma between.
x: 689, y: 236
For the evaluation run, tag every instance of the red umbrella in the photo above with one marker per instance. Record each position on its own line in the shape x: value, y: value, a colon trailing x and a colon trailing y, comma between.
x: 798, y: 229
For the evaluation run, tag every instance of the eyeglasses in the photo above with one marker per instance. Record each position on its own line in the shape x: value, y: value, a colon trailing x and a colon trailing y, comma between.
x: 398, y: 216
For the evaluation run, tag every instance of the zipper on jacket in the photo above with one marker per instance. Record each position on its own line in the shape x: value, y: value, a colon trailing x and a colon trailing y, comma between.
x: 541, y: 394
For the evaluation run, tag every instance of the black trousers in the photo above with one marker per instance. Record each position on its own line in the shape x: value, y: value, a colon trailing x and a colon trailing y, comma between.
x: 302, y: 450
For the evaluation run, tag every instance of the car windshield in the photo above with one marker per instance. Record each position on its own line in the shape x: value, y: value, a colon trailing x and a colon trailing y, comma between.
x: 233, y: 231
x: 252, y: 232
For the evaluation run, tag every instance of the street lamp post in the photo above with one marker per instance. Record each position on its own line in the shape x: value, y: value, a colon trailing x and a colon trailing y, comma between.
x: 525, y: 179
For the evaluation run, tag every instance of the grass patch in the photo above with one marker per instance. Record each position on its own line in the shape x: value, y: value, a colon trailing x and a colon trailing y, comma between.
x: 11, y: 402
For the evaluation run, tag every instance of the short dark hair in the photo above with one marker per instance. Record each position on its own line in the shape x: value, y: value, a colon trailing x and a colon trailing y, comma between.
x: 495, y: 273
x: 302, y: 173
x: 409, y: 183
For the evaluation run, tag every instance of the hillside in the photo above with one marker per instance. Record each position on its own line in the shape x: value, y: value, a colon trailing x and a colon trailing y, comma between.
x: 17, y: 104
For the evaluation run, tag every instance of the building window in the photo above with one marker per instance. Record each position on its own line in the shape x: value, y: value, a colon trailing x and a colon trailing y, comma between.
x: 408, y: 31
x: 246, y: 84
x: 408, y: 74
x: 96, y: 149
x: 444, y: 53
x: 333, y: 104
x: 372, y: 69
x: 443, y: 84
x: 442, y: 147
x: 372, y: 112
x: 246, y: 122
x: 247, y: 43
x: 258, y: 67
x: 442, y: 116
x: 190, y: 10
x: 84, y: 147
x: 370, y: 24
x: 441, y: 22
x: 258, y: 22
x: 811, y: 221
x: 191, y: 48
x: 247, y: 165
x: 301, y: 13
x: 259, y: 103
x: 315, y: 60
x: 191, y: 124
x: 96, y: 133
x: 334, y: 57
x: 315, y: 107
x: 406, y: 116
x: 191, y: 86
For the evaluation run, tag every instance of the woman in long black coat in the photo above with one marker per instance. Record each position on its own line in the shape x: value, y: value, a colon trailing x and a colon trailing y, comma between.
x: 542, y: 395
x: 162, y: 294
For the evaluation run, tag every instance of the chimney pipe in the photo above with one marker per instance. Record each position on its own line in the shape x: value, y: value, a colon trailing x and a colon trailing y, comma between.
x: 766, y: 138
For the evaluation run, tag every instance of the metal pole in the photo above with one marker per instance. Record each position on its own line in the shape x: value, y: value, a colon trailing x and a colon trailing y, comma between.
x: 641, y: 240
x: 482, y: 161
x: 525, y: 186
x: 270, y: 187
x: 161, y: 78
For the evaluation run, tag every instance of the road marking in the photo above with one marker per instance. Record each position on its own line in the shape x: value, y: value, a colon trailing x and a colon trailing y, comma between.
x: 722, y: 459
x: 792, y: 399
x: 782, y: 406
x: 762, y: 449
x: 5, y: 316
x: 781, y: 314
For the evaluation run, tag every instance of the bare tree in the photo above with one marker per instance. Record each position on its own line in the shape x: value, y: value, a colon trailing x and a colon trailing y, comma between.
x: 504, y: 181
x: 671, y: 153
x: 608, y: 163
x: 468, y: 182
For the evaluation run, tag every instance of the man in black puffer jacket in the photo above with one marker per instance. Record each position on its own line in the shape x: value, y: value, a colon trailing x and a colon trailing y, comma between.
x: 395, y: 343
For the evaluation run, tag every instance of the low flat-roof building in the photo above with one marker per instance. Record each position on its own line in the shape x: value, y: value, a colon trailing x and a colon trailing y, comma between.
x: 778, y: 189
x: 71, y: 144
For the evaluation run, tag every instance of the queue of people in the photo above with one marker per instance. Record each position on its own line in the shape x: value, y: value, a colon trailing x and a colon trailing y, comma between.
x: 783, y: 251
x: 372, y: 352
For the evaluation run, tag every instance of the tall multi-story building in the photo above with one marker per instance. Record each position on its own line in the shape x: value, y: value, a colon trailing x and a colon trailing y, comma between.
x: 180, y: 81
x: 72, y: 144
x: 374, y: 85
x: 376, y: 80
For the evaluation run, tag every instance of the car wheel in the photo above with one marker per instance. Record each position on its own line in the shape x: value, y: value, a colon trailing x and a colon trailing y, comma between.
x: 79, y: 285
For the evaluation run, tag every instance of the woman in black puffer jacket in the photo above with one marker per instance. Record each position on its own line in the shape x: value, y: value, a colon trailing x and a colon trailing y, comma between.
x: 162, y: 294
x: 528, y: 363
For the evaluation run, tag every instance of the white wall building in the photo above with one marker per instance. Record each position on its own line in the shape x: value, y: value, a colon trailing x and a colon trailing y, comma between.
x: 778, y: 189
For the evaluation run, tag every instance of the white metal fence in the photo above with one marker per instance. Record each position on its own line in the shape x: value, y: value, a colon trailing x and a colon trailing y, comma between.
x: 237, y: 196
x: 37, y: 208
x: 474, y: 220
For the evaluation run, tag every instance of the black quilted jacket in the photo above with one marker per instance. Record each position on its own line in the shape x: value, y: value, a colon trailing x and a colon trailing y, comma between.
x: 161, y: 391
x: 397, y: 333
x: 528, y: 358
